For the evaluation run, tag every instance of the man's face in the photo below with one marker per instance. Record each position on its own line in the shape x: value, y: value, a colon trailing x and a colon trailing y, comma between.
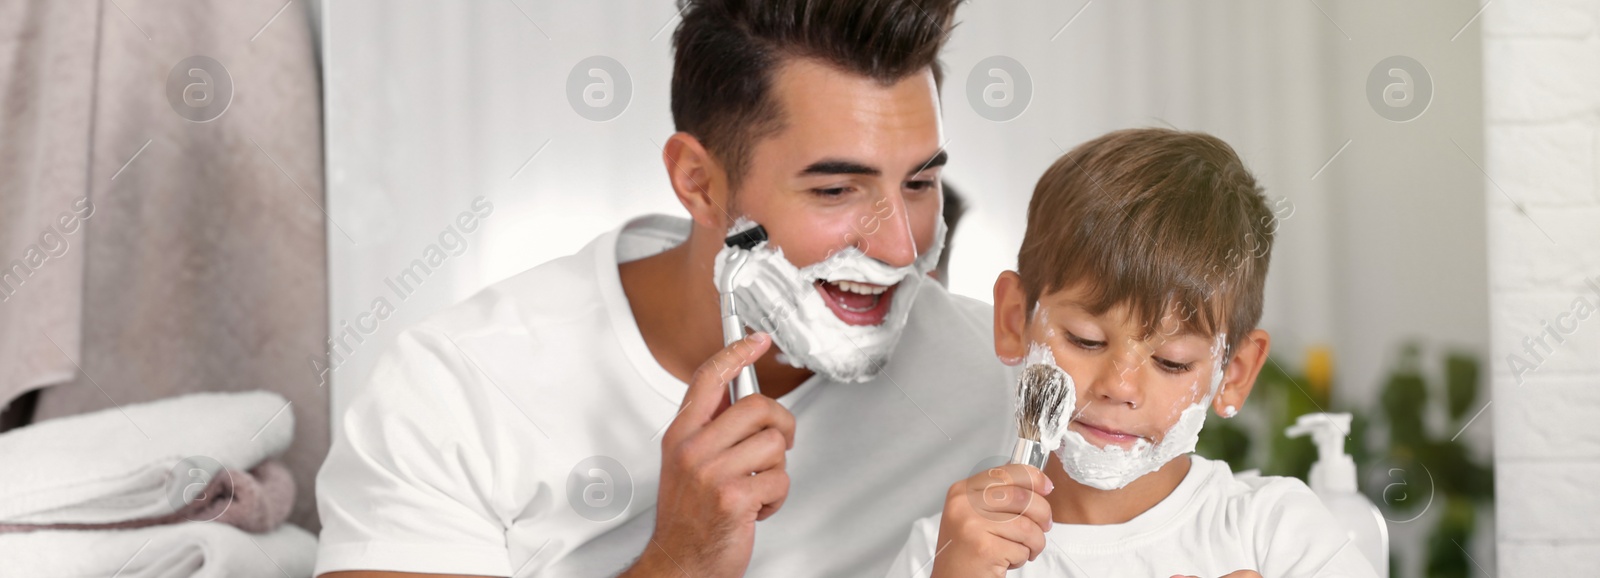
x: 856, y: 164
x: 1128, y: 388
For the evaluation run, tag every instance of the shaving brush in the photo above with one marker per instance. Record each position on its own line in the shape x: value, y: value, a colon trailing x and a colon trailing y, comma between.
x: 1045, y: 397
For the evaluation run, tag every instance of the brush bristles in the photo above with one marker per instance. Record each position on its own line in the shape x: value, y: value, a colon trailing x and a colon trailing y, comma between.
x: 1042, y: 402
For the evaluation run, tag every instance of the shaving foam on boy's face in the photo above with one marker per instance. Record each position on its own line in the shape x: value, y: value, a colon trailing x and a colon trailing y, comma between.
x: 1133, y: 413
x: 840, y: 317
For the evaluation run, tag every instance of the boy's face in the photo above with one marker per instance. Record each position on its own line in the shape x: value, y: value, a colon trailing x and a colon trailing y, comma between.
x: 1128, y: 389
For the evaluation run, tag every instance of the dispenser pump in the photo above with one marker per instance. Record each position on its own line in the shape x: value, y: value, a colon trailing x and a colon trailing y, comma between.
x: 1335, y: 471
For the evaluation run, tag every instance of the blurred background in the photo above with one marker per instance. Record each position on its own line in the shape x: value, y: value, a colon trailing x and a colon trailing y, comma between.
x: 1434, y: 166
x: 1381, y: 247
x: 1382, y: 243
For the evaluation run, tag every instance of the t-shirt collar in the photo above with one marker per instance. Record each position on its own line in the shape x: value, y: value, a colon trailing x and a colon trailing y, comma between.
x: 642, y: 237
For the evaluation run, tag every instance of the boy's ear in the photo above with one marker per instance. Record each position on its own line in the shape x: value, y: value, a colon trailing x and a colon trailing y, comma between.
x: 1240, y: 375
x: 698, y: 180
x: 1010, y: 319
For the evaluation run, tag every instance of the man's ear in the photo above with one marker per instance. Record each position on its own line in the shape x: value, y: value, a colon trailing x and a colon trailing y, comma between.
x: 698, y: 180
x: 1010, y: 319
x: 1240, y: 375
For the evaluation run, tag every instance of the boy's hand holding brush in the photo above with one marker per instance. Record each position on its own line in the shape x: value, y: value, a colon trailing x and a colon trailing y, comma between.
x: 996, y: 520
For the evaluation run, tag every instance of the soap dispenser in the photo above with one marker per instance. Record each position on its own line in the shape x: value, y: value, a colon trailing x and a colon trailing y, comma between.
x: 1333, y: 480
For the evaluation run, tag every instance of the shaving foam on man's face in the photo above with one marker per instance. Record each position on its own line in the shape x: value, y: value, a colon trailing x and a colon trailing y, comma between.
x: 840, y: 317
x: 1139, y: 403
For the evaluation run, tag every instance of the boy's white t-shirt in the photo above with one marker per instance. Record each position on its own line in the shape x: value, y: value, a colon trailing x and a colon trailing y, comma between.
x: 473, y: 448
x: 1212, y: 524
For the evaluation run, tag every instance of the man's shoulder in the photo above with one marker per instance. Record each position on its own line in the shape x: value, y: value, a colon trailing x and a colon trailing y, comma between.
x: 497, y: 330
x: 560, y: 289
x: 464, y: 360
x: 952, y: 316
x: 961, y: 304
x: 945, y: 360
x: 952, y: 332
x: 978, y: 312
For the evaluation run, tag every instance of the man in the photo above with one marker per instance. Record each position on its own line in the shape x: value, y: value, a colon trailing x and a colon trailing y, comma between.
x: 574, y: 420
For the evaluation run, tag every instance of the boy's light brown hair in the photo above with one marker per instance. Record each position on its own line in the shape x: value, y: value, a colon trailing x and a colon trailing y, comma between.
x: 1161, y: 220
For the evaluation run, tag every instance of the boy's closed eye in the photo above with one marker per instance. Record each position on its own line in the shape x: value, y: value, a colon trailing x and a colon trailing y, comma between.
x: 1167, y: 365
x: 1170, y: 366
x: 1084, y: 344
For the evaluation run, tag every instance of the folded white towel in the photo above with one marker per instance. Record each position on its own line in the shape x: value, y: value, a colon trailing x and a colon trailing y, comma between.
x: 117, y: 464
x: 190, y: 549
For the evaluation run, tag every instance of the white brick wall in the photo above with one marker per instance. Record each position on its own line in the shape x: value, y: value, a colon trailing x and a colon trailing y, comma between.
x: 1542, y: 107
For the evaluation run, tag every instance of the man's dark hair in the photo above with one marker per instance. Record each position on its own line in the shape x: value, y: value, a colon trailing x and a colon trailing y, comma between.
x: 726, y: 51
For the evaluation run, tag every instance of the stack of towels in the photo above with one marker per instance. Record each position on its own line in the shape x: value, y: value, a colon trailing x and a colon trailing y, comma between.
x: 182, y: 487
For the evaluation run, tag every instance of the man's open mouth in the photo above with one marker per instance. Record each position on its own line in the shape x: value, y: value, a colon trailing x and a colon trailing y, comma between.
x: 857, y: 303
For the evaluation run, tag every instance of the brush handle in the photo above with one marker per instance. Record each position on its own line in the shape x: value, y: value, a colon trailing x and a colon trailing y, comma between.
x: 1029, y: 452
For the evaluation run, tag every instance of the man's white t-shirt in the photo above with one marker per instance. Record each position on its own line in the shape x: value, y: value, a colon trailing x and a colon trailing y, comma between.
x: 490, y: 430
x: 1212, y: 524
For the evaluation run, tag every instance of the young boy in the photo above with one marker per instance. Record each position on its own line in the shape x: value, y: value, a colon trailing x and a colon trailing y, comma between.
x: 1141, y: 276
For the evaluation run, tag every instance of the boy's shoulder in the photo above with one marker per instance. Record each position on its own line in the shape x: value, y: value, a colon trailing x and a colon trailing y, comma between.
x: 1271, y: 500
x: 1282, y: 523
x: 1251, y: 485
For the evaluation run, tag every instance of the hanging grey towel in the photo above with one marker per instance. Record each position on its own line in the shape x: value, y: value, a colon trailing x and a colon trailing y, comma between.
x: 47, y: 66
x: 205, y: 257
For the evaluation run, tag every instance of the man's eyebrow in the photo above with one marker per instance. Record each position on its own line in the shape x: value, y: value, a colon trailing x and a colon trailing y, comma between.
x: 839, y: 167
x: 937, y: 160
x: 849, y: 167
